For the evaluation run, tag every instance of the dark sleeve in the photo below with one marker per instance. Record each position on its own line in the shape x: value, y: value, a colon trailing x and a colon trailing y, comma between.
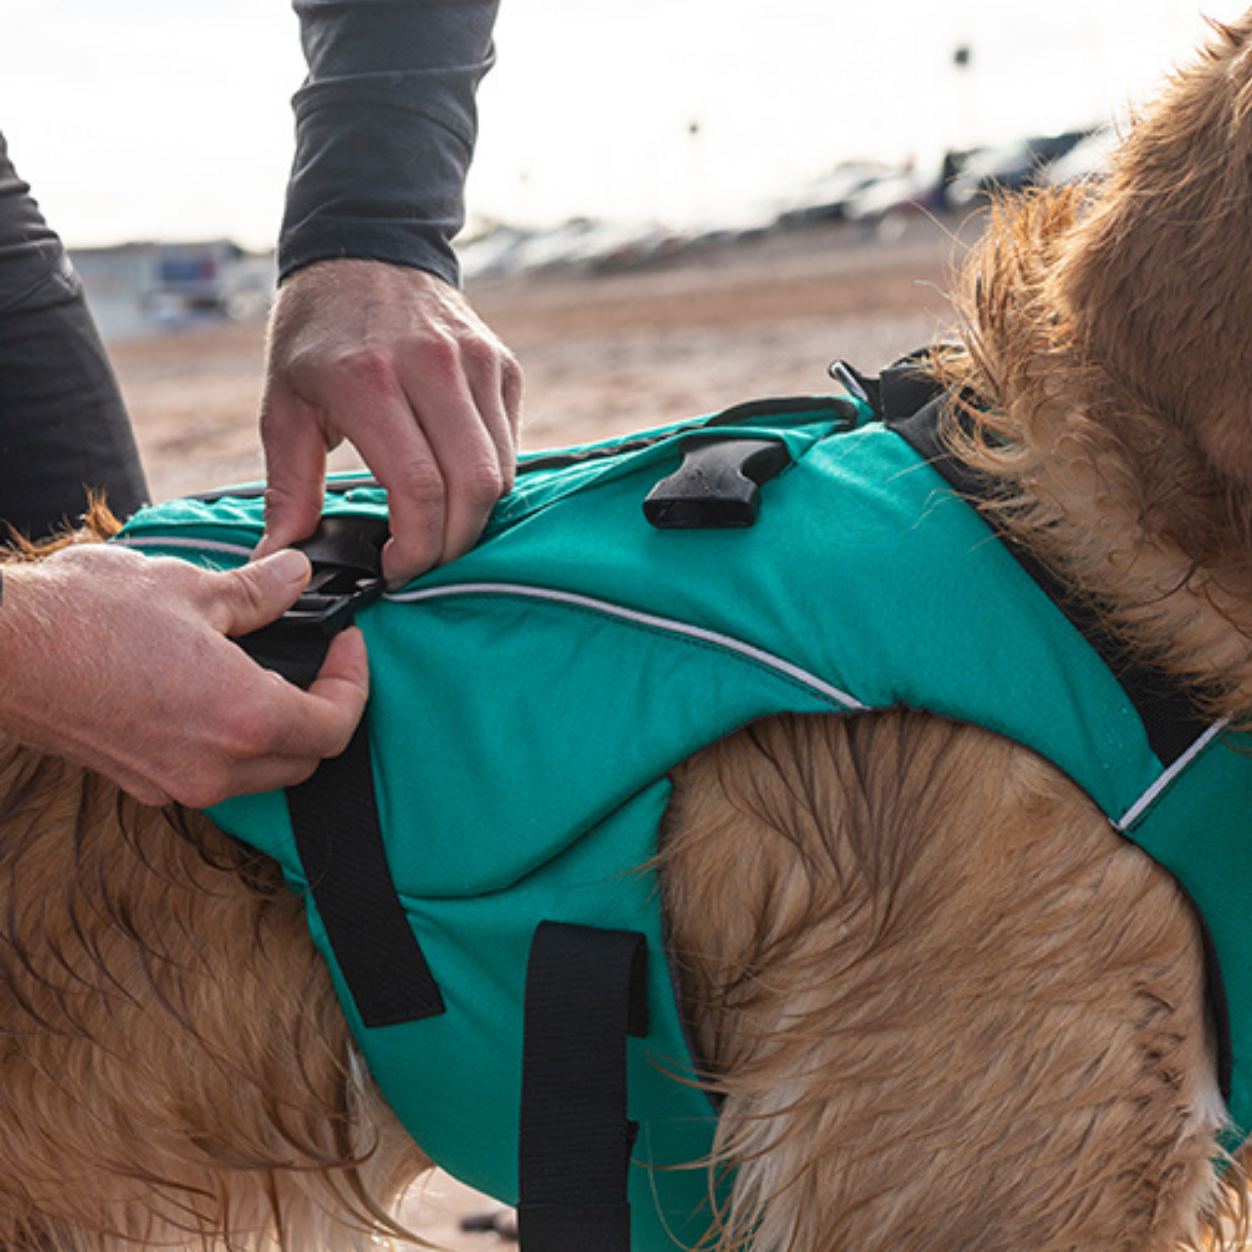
x: 64, y: 432
x: 385, y: 129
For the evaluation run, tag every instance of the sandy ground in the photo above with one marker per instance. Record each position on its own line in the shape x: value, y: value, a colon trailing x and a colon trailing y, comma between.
x: 602, y: 354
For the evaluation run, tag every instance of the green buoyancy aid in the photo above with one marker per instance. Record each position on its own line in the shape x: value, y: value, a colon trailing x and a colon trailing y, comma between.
x: 529, y: 699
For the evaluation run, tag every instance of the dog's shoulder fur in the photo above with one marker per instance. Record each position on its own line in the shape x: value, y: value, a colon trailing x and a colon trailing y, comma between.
x: 949, y: 1008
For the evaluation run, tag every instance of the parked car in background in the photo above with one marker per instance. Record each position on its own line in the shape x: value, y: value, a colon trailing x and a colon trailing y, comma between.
x: 827, y: 198
x: 1086, y: 160
x: 1009, y: 167
x: 916, y: 186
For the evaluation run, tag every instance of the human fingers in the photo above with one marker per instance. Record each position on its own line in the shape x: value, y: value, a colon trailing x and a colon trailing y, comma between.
x: 440, y: 435
x: 397, y: 362
x: 468, y: 417
x: 313, y: 738
x: 288, y: 722
x: 308, y: 727
x: 295, y: 443
x: 334, y: 702
x: 269, y: 734
x: 440, y: 500
x: 365, y: 398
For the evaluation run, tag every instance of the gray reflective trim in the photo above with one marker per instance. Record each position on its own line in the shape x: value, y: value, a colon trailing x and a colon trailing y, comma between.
x: 1137, y: 809
x: 638, y: 618
x: 192, y: 545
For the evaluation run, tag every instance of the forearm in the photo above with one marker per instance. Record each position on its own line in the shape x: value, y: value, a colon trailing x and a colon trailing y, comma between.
x: 385, y: 129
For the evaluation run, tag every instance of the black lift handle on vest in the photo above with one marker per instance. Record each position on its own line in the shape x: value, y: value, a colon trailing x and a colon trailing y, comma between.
x: 717, y: 486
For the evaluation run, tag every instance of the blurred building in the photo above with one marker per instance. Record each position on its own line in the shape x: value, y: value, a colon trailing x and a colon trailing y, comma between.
x: 138, y: 289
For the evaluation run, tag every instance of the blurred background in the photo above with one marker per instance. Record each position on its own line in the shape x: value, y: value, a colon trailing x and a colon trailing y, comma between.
x: 169, y: 119
x: 674, y: 203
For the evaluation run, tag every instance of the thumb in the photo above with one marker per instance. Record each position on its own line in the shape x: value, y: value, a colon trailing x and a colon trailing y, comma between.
x: 258, y: 593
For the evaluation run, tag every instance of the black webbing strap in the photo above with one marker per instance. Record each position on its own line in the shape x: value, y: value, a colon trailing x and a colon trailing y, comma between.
x: 334, y: 816
x: 586, y: 990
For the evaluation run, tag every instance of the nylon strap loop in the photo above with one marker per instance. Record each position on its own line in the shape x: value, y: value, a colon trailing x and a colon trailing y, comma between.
x: 586, y: 990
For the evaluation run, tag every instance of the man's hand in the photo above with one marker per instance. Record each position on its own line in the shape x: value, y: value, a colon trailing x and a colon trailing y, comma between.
x: 124, y: 663
x: 396, y: 362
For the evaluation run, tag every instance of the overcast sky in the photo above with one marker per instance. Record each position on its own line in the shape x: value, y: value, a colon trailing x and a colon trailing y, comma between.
x: 170, y: 118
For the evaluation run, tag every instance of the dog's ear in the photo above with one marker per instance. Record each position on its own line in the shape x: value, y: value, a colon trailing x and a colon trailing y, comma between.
x: 1158, y: 278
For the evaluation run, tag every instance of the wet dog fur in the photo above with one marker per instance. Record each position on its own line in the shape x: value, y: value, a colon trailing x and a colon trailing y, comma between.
x: 949, y: 1008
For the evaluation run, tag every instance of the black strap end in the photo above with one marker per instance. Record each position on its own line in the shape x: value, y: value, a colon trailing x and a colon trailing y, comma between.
x: 334, y: 816
x: 574, y: 1228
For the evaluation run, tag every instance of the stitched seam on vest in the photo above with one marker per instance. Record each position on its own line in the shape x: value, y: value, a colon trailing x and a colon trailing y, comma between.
x: 1145, y: 801
x: 650, y: 621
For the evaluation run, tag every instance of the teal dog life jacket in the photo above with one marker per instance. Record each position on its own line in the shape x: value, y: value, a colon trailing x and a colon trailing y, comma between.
x: 478, y: 866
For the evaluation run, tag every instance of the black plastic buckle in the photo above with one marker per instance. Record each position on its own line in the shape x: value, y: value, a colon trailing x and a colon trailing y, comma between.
x: 346, y: 553
x: 717, y: 486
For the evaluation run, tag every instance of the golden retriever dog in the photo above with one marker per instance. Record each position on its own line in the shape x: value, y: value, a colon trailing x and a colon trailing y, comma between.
x: 948, y: 1007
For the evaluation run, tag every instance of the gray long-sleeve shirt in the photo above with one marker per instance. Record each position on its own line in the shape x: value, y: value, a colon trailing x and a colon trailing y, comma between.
x: 385, y: 130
